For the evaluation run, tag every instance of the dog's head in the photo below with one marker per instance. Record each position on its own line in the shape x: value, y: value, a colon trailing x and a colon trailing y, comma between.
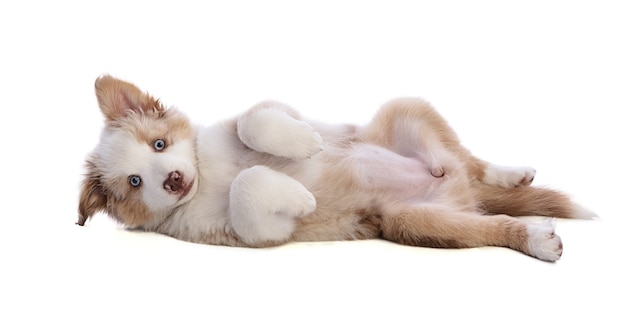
x: 145, y: 163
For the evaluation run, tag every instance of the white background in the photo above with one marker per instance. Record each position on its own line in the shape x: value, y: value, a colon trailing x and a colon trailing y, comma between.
x: 538, y: 83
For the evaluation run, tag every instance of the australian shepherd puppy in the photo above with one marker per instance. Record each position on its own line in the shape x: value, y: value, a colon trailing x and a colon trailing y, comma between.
x: 268, y: 177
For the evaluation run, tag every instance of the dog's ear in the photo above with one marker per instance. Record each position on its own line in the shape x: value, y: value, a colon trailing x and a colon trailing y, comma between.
x: 93, y: 197
x: 116, y: 98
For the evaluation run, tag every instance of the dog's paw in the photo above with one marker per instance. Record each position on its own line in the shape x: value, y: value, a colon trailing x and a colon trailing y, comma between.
x: 543, y: 242
x: 442, y: 163
x: 524, y: 175
x: 264, y: 203
x: 306, y: 142
x: 508, y: 177
x: 272, y: 130
x: 437, y: 171
x: 302, y: 203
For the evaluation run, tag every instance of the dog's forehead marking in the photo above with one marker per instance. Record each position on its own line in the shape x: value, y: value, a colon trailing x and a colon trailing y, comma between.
x: 169, y: 125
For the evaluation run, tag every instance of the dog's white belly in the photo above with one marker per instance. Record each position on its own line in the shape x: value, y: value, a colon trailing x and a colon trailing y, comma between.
x: 399, y: 178
x: 379, y: 175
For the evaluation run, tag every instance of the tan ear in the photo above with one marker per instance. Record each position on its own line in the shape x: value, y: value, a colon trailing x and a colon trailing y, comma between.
x: 116, y: 98
x: 92, y: 195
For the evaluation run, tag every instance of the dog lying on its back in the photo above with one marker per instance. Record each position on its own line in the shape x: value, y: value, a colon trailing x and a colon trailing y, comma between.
x: 268, y: 177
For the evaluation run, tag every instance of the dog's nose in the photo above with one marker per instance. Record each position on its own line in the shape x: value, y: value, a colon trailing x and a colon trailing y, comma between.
x: 174, y: 182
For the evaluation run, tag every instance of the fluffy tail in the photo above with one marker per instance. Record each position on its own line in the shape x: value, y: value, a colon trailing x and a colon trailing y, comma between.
x: 530, y: 201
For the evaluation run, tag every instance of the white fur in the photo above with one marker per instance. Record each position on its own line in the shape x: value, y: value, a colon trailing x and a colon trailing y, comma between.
x: 543, y: 243
x: 508, y: 177
x: 258, y: 178
x: 583, y: 213
x: 264, y: 202
x: 273, y: 131
x: 131, y: 157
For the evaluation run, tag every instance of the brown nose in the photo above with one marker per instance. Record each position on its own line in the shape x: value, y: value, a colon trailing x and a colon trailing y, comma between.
x: 174, y: 182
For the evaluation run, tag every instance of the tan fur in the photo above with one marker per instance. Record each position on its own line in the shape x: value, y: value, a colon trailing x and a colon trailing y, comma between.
x: 525, y: 201
x: 398, y: 113
x: 357, y: 197
x: 116, y: 97
x: 168, y: 126
x: 441, y: 228
x: 93, y: 197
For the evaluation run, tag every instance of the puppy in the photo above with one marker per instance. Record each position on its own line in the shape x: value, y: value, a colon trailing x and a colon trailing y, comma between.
x: 269, y: 177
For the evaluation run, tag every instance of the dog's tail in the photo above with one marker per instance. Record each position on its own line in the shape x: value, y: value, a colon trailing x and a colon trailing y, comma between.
x: 529, y: 201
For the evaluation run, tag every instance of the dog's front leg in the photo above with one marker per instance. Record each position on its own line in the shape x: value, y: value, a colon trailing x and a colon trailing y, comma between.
x: 275, y: 128
x: 264, y: 203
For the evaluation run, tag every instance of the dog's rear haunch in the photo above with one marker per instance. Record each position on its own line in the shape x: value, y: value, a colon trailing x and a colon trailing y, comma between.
x: 268, y: 177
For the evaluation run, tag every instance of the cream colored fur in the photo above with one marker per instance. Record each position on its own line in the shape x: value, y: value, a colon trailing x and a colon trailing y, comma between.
x: 269, y: 177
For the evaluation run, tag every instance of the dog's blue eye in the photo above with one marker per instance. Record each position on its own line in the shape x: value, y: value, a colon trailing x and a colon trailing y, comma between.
x: 159, y: 144
x: 134, y: 180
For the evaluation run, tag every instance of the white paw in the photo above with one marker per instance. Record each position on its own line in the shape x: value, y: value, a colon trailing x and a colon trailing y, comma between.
x: 271, y: 130
x: 264, y: 202
x: 543, y: 243
x: 304, y: 143
x: 301, y: 204
x: 509, y: 177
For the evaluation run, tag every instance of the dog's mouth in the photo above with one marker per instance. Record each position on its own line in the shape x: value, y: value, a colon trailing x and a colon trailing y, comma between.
x: 186, y: 190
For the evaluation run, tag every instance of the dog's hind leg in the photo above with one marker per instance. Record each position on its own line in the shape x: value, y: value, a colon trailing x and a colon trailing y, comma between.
x: 441, y: 228
x: 413, y: 128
